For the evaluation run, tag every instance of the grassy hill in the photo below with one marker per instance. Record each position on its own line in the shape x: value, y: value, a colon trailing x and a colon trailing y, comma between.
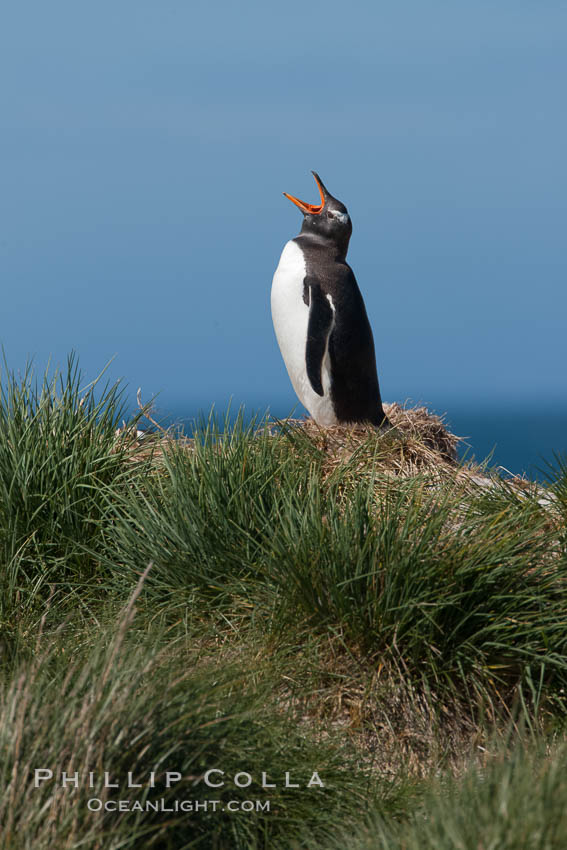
x: 355, y: 610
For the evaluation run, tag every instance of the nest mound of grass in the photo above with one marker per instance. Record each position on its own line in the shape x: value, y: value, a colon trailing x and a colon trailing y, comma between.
x: 418, y: 441
x: 428, y: 428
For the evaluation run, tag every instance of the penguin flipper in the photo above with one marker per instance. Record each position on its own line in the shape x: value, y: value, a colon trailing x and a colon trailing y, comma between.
x: 318, y: 331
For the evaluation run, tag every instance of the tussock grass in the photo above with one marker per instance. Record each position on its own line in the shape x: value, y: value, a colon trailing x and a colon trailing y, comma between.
x: 59, y: 458
x: 463, y: 588
x: 557, y: 497
x: 518, y: 800
x: 342, y: 597
x: 440, y: 583
x: 202, y: 517
x: 144, y: 703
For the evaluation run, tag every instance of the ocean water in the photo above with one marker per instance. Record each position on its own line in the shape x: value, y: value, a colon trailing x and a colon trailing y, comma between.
x: 522, y: 443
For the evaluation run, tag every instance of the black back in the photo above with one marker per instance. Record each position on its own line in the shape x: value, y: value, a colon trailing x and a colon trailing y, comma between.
x: 355, y: 392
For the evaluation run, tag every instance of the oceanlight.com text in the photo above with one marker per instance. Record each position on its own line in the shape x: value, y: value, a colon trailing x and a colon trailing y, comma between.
x: 97, y: 805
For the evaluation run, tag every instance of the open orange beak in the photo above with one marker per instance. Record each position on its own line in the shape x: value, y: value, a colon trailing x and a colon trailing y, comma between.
x: 310, y: 209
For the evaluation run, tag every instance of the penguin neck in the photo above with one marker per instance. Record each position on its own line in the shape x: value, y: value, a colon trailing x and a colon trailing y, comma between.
x: 337, y: 248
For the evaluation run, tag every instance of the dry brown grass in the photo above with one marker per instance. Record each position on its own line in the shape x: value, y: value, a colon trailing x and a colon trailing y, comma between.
x: 418, y: 443
x: 421, y: 435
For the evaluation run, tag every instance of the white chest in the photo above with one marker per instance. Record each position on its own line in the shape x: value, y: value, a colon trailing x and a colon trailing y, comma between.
x: 290, y: 315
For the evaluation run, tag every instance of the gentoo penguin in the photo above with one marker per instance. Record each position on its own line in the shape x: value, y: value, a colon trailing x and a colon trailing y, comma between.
x: 320, y: 320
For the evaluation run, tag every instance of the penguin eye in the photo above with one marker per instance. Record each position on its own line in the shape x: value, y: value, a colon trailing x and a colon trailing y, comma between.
x: 338, y: 216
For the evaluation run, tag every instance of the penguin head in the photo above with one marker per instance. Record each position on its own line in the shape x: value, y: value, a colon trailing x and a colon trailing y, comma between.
x: 329, y: 219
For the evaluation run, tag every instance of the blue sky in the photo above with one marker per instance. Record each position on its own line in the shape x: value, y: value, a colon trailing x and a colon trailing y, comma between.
x: 145, y: 148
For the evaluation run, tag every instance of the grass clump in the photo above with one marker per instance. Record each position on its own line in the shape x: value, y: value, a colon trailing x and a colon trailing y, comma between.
x: 133, y: 701
x: 517, y: 801
x: 202, y: 518
x: 58, y: 457
x: 460, y: 585
x: 459, y: 594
